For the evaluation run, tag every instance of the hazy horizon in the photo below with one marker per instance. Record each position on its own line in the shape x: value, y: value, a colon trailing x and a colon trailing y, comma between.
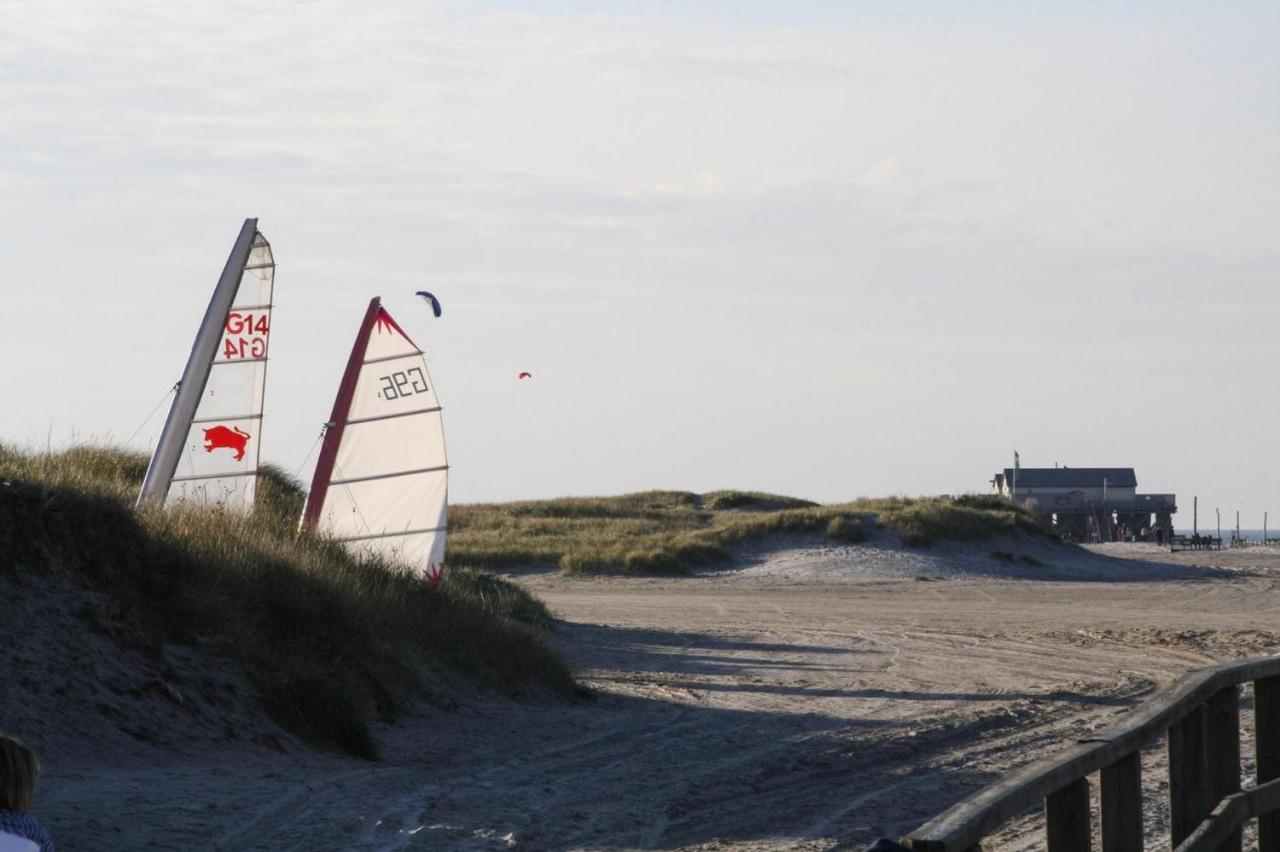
x: 823, y: 250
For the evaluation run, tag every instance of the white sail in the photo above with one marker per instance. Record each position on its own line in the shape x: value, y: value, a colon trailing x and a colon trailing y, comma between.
x: 381, y: 482
x: 209, y: 450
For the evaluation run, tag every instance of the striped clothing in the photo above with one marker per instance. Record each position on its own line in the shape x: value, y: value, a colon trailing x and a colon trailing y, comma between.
x: 22, y: 830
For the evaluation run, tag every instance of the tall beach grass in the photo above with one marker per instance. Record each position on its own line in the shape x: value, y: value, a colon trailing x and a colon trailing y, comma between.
x: 330, y: 641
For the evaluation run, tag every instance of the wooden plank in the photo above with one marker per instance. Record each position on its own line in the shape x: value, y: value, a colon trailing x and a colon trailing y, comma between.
x: 1222, y: 754
x: 1232, y: 813
x: 974, y: 818
x: 1217, y: 828
x: 1122, y: 805
x: 968, y: 821
x: 1188, y: 788
x: 971, y: 819
x: 1066, y: 818
x: 1266, y: 716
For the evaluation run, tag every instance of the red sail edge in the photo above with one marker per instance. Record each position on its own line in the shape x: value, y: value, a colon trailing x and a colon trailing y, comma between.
x: 338, y: 419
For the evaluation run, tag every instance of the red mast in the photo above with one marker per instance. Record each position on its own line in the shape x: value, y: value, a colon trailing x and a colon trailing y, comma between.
x: 338, y: 419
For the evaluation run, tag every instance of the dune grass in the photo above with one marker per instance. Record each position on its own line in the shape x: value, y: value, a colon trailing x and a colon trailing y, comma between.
x: 330, y: 641
x: 333, y: 642
x: 674, y: 531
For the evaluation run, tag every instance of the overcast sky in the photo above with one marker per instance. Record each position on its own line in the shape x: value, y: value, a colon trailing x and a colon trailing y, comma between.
x: 828, y: 249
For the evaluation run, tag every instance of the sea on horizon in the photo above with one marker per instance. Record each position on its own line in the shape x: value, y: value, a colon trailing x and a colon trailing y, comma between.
x: 1246, y: 534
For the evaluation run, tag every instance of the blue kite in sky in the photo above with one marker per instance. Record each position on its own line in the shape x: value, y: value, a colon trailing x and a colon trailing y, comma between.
x: 435, y: 303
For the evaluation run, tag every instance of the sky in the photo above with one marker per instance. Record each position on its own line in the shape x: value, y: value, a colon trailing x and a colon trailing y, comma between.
x: 825, y: 249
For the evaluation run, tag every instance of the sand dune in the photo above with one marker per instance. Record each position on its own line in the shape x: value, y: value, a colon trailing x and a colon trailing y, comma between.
x: 1020, y: 557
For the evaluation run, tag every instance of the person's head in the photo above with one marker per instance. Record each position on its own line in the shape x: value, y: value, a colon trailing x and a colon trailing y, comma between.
x: 18, y: 770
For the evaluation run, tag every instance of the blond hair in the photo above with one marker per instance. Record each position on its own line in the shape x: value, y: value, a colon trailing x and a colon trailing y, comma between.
x: 18, y: 770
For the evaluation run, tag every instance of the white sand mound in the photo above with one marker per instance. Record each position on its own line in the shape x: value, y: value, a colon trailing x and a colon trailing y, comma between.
x: 1008, y: 557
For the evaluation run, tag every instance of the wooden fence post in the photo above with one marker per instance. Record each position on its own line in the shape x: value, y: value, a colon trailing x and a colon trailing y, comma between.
x: 1188, y: 799
x: 1222, y: 753
x: 1122, y: 805
x: 1266, y: 717
x: 1066, y: 814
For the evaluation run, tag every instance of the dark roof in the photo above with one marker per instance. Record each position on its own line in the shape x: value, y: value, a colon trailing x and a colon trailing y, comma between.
x: 1073, y: 477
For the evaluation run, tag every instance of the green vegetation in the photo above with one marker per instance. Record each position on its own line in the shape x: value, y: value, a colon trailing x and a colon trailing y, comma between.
x: 921, y: 522
x: 758, y: 501
x: 674, y: 531
x: 330, y: 641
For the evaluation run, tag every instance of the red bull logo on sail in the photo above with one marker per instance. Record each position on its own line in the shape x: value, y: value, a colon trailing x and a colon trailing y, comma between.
x: 222, y: 437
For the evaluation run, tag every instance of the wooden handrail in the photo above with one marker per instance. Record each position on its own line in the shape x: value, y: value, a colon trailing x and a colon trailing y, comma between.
x: 964, y: 825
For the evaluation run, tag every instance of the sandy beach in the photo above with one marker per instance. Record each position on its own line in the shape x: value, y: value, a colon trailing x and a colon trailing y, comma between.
x: 809, y: 698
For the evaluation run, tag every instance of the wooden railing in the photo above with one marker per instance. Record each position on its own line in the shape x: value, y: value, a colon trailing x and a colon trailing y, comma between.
x: 1201, y: 714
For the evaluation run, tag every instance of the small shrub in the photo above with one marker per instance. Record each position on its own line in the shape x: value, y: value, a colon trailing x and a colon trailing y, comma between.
x: 655, y: 561
x: 698, y: 549
x: 581, y: 562
x: 985, y: 502
x: 847, y: 529
x: 319, y: 708
x: 499, y: 597
x: 279, y: 497
x: 720, y: 501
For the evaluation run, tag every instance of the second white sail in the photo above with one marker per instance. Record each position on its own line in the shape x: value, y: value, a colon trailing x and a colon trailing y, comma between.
x: 381, y: 481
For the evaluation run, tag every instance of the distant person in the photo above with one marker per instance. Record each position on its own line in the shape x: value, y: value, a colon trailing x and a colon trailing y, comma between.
x: 19, y: 831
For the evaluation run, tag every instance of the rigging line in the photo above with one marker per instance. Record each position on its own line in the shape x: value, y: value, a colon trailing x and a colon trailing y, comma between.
x: 355, y: 507
x: 319, y: 438
x: 144, y: 423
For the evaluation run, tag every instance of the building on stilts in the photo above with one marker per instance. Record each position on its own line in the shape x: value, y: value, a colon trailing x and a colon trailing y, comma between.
x: 1090, y: 503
